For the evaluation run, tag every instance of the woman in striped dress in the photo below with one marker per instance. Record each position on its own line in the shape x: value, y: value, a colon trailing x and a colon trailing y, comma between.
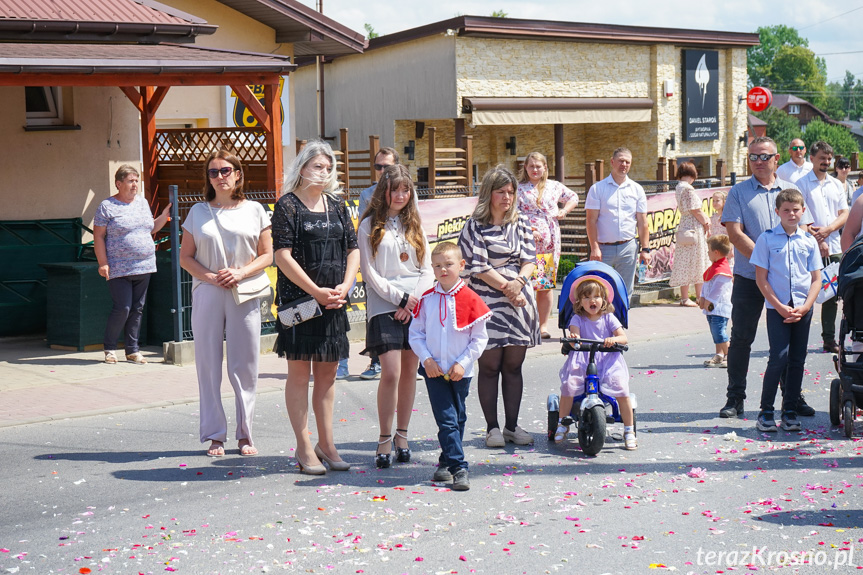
x: 498, y: 247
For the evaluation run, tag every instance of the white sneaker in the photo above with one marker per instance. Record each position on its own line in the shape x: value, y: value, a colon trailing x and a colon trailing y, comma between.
x: 519, y: 436
x: 494, y: 438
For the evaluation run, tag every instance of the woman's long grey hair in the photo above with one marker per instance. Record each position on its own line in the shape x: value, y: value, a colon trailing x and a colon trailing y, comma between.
x: 313, y: 149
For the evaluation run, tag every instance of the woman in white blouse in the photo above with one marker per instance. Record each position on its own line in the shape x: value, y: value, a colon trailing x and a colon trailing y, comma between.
x: 396, y: 264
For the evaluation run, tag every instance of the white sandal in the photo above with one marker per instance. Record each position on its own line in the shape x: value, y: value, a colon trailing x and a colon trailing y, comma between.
x: 629, y: 442
x: 561, y: 433
x: 110, y: 356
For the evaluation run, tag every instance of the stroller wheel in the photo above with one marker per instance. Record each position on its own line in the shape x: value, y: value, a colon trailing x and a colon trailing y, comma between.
x: 835, y: 401
x: 848, y: 414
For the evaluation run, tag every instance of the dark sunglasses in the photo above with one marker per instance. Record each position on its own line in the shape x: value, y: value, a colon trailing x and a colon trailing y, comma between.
x: 843, y: 167
x: 380, y: 167
x: 798, y: 148
x: 762, y: 157
x: 226, y: 171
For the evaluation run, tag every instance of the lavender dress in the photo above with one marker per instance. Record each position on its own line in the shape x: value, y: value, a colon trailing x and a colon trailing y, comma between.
x: 611, y: 367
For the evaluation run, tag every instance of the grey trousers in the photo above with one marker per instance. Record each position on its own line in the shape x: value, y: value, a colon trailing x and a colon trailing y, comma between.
x: 215, y: 317
x: 624, y: 259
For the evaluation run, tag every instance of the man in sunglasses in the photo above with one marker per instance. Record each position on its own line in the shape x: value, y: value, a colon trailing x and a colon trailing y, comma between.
x: 797, y: 166
x: 749, y: 212
x: 825, y: 200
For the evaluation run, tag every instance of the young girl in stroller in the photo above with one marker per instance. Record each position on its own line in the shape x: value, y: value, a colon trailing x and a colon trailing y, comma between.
x: 593, y: 318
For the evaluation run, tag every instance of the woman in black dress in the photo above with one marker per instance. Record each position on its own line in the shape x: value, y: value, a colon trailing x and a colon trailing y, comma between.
x: 316, y: 252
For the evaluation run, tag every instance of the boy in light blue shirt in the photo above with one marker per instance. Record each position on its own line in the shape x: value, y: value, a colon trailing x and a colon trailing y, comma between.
x: 788, y: 273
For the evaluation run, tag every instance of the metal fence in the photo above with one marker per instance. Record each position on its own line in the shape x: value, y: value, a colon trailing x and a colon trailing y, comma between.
x: 182, y: 281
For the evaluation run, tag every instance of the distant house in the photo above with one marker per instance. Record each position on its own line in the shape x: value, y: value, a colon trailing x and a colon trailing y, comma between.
x: 856, y: 131
x: 757, y: 128
x: 801, y: 109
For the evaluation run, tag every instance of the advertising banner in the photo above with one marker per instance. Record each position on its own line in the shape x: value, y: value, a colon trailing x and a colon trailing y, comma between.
x: 662, y: 220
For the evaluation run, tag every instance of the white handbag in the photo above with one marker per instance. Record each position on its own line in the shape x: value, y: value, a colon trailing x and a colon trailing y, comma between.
x: 829, y: 283
x: 256, y: 286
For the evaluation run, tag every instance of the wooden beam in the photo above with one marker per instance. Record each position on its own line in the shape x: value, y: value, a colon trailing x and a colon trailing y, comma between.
x: 134, y: 96
x: 275, y: 169
x: 253, y: 105
x: 134, y: 80
x: 148, y: 143
x: 158, y: 96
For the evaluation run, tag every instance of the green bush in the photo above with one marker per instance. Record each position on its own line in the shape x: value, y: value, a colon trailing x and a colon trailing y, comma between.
x: 566, y: 265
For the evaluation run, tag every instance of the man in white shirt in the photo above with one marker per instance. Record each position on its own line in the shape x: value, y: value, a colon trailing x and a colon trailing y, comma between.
x: 616, y: 209
x: 797, y: 166
x: 825, y: 199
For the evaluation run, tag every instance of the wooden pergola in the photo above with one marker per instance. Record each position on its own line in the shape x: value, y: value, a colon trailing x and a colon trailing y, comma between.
x: 146, y: 89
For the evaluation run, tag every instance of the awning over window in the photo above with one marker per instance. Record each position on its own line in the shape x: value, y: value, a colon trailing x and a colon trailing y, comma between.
x: 532, y: 111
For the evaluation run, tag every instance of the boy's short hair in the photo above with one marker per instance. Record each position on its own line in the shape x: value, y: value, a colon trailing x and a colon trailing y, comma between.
x: 445, y: 248
x: 720, y: 243
x: 789, y: 195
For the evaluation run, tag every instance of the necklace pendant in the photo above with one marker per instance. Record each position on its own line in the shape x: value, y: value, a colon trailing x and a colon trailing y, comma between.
x: 403, y: 256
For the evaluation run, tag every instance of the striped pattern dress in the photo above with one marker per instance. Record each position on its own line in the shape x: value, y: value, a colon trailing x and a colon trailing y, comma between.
x: 504, y: 249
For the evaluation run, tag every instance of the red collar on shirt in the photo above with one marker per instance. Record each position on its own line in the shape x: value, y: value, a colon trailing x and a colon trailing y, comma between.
x: 469, y: 307
x: 718, y: 268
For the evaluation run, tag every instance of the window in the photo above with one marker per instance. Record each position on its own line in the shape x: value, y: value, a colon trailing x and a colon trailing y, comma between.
x: 44, y: 105
x: 794, y: 109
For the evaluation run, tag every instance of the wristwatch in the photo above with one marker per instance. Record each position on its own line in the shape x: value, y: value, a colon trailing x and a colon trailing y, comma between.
x: 645, y: 250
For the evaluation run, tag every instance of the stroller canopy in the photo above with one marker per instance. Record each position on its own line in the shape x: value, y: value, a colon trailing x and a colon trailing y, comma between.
x: 605, y: 271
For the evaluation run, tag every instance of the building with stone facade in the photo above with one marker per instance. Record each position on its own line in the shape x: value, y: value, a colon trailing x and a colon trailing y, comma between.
x: 572, y: 91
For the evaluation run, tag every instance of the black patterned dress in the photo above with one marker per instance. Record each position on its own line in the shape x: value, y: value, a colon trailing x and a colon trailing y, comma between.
x: 504, y: 249
x: 321, y: 250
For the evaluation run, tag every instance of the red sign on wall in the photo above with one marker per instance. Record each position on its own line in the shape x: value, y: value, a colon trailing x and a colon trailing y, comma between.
x: 758, y: 99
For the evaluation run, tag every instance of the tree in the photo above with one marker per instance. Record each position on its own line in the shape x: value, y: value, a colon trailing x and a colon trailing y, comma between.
x: 839, y: 137
x: 499, y: 14
x: 795, y: 70
x: 782, y: 128
x: 834, y: 102
x: 759, y: 59
x: 370, y: 32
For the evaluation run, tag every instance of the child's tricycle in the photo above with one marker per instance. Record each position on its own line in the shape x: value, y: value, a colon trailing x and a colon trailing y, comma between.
x: 590, y: 409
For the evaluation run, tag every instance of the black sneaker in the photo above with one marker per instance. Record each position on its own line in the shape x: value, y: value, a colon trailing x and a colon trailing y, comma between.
x: 766, y: 422
x: 803, y: 408
x: 460, y: 480
x: 733, y: 408
x: 442, y: 475
x: 789, y: 421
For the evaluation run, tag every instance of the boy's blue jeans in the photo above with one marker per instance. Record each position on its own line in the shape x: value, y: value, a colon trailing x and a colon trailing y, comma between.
x: 447, y: 400
x: 788, y: 343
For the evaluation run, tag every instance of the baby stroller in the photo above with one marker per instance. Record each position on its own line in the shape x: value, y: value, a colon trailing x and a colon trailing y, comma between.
x: 590, y: 410
x: 846, y: 391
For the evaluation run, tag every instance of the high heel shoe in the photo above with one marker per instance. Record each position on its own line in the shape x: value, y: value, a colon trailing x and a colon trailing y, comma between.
x: 334, y: 465
x: 403, y: 454
x: 311, y: 469
x: 384, y: 460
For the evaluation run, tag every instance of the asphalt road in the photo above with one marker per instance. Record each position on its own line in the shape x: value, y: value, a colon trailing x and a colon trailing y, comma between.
x: 133, y: 493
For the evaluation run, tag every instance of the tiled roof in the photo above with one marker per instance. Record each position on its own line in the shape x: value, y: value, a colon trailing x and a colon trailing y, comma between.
x: 97, y: 21
x: 141, y: 11
x: 27, y: 58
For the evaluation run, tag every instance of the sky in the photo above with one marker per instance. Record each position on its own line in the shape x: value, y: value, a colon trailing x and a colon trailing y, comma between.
x: 830, y: 27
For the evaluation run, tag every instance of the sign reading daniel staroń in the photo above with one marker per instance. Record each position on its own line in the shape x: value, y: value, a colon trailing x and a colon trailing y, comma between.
x: 700, y: 95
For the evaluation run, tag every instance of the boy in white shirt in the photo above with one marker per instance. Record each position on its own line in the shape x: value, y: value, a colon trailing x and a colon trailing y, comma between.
x: 788, y: 272
x: 448, y: 334
x: 715, y: 297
